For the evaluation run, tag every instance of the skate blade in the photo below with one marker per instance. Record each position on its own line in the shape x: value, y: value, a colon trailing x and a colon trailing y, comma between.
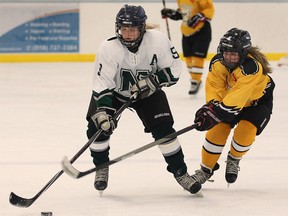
x: 100, y: 193
x: 199, y: 194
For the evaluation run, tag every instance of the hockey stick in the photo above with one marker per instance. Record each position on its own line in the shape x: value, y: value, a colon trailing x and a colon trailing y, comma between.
x: 26, y: 202
x: 166, y: 19
x: 74, y: 173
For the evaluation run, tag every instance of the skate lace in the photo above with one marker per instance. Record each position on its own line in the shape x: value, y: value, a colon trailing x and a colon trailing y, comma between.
x: 200, y: 176
x: 232, y: 166
x: 102, y: 174
x: 185, y: 181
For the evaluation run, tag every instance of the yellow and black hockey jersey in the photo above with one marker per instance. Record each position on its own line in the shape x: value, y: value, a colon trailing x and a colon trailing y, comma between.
x: 236, y: 89
x: 189, y: 8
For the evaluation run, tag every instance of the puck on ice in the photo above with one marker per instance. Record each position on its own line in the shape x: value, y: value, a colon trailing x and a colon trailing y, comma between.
x: 46, y: 213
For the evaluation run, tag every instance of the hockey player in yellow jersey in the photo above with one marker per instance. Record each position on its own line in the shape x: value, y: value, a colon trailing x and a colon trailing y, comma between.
x: 196, y: 35
x: 239, y: 95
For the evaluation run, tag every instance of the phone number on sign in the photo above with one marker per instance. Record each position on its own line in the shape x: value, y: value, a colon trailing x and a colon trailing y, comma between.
x: 52, y: 48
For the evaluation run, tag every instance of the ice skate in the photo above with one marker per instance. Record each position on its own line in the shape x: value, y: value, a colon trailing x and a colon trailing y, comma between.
x: 204, y: 174
x: 188, y: 183
x: 195, y: 85
x: 101, y: 180
x: 232, y: 169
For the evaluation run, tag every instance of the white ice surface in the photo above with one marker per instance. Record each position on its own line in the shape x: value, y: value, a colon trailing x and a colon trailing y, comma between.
x: 42, y: 118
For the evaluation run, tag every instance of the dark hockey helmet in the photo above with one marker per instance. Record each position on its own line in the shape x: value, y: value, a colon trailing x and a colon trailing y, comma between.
x: 134, y: 16
x: 235, y: 40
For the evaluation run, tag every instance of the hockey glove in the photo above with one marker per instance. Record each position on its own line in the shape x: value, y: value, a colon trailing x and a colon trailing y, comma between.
x: 195, y: 20
x: 145, y: 87
x: 104, y: 121
x: 206, y: 118
x: 170, y: 13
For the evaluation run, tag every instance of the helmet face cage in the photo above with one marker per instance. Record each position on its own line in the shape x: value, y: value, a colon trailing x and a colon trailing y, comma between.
x: 131, y: 16
x: 235, y: 40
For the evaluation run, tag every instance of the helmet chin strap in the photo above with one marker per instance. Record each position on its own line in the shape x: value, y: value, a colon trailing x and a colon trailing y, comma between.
x: 233, y: 65
x: 132, y: 46
x: 230, y: 65
x: 135, y: 47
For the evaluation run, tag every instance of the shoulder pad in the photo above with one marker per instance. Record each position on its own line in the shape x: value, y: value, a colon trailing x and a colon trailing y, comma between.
x: 217, y: 57
x: 249, y: 66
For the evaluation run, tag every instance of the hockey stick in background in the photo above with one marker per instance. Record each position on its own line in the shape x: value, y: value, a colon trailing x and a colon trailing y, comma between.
x: 166, y: 19
x: 26, y: 202
x: 74, y: 173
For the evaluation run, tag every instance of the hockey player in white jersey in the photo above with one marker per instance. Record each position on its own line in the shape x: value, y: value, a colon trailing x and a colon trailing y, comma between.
x: 137, y: 61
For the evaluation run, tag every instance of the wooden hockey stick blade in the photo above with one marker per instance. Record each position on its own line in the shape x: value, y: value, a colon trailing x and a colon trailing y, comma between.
x: 74, y: 173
